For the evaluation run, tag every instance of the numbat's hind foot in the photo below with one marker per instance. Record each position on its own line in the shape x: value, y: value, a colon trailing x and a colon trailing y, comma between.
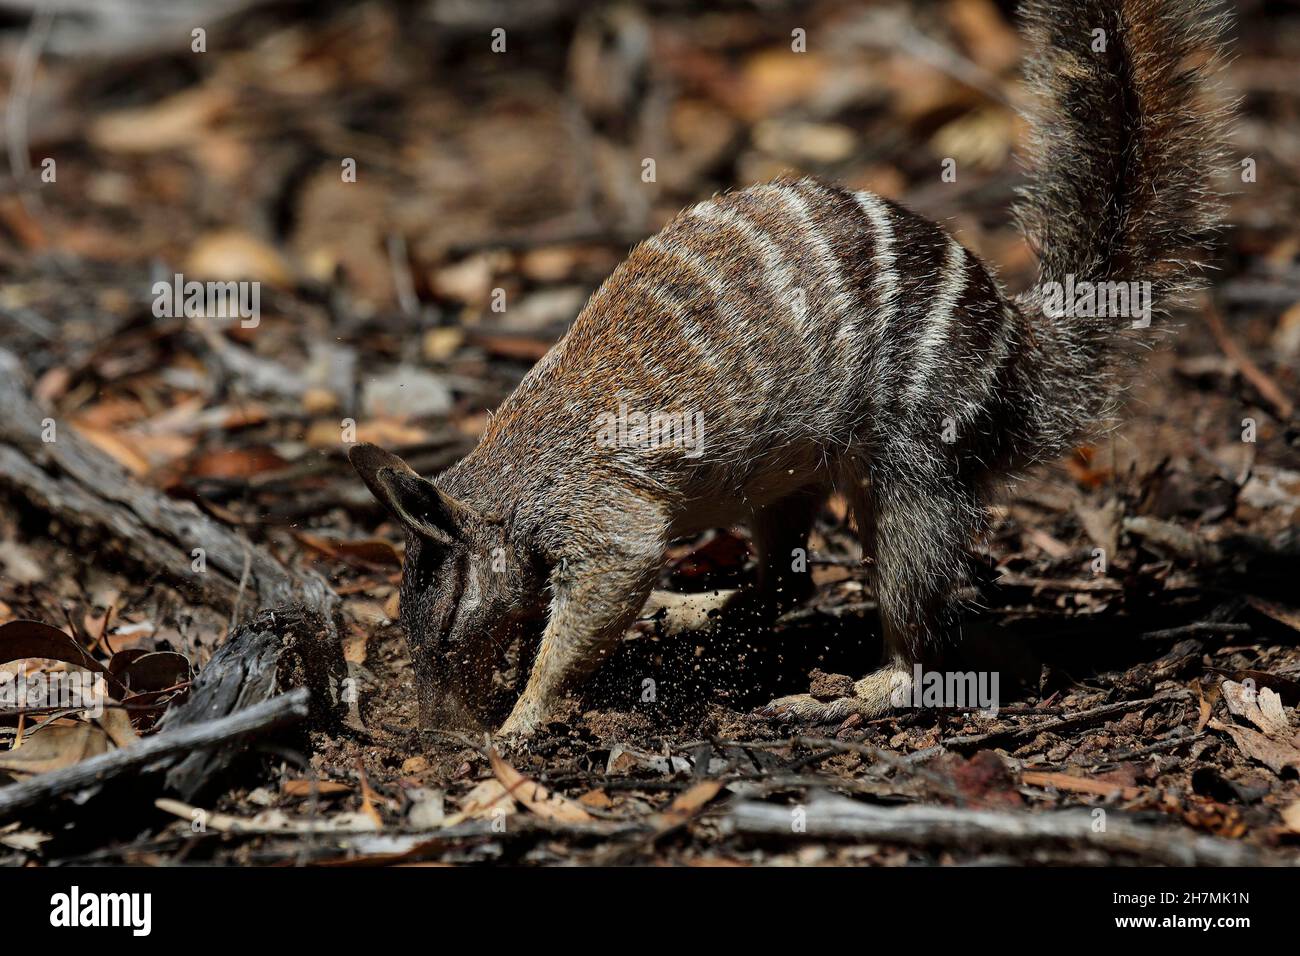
x: 874, y: 696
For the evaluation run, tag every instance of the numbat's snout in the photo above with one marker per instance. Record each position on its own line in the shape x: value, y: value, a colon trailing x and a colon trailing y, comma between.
x: 777, y: 342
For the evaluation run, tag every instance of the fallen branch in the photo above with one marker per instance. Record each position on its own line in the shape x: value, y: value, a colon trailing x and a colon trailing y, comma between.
x: 95, y: 771
x: 839, y: 818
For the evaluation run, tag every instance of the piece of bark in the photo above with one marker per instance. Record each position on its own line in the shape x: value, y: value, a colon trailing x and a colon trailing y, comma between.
x: 273, y: 653
x: 95, y: 771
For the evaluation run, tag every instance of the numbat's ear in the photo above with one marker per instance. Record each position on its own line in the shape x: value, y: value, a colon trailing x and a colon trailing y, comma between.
x: 414, y: 501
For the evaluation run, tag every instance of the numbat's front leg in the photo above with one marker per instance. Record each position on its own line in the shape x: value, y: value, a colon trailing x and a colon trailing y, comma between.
x: 595, y: 602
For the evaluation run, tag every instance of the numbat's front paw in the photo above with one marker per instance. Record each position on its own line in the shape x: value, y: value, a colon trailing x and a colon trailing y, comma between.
x: 522, y: 722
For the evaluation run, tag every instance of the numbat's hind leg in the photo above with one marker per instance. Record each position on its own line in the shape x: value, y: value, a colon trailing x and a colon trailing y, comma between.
x: 917, y: 537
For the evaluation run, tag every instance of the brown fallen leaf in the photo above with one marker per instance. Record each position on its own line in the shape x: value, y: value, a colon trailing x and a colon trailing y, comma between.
x: 303, y: 788
x: 56, y: 746
x: 231, y: 255
x: 1291, y: 816
x: 1262, y: 707
x: 535, y: 798
x: 689, y: 803
x: 367, y: 552
x: 176, y: 122
x: 1278, y: 612
x: 117, y: 448
x: 234, y: 463
x: 1206, y: 704
x: 597, y: 798
x: 487, y: 796
x: 368, y: 797
x: 23, y: 639
x: 116, y: 723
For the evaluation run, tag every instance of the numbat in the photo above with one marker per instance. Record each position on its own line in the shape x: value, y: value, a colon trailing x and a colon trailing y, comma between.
x: 773, y: 344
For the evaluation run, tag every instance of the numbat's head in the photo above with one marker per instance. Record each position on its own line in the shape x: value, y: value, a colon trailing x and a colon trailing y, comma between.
x: 466, y: 593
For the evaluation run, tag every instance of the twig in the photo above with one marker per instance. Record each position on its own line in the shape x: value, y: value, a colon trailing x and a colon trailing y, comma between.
x: 1268, y: 389
x: 1071, y: 722
x: 844, y: 819
x: 29, y: 56
x: 1196, y: 629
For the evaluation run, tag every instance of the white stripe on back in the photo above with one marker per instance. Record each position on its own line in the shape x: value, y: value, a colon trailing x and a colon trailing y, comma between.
x: 841, y: 302
x: 731, y: 317
x: 774, y: 260
x: 884, y: 256
x: 952, y: 281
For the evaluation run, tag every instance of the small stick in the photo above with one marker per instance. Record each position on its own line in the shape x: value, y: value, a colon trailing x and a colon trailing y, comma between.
x: 1268, y: 389
x: 1198, y: 628
x: 842, y: 818
x: 1083, y: 718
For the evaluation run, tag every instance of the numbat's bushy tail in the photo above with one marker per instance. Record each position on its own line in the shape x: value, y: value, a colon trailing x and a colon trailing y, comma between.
x: 772, y: 344
x: 1127, y: 139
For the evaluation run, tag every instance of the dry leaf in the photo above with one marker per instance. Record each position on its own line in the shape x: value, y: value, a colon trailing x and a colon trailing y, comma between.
x: 534, y: 797
x: 597, y: 798
x: 55, y: 747
x: 690, y: 803
x: 177, y: 122
x: 116, y: 723
x: 1262, y: 707
x: 233, y: 255
x: 487, y: 798
x: 368, y: 797
x: 304, y: 788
